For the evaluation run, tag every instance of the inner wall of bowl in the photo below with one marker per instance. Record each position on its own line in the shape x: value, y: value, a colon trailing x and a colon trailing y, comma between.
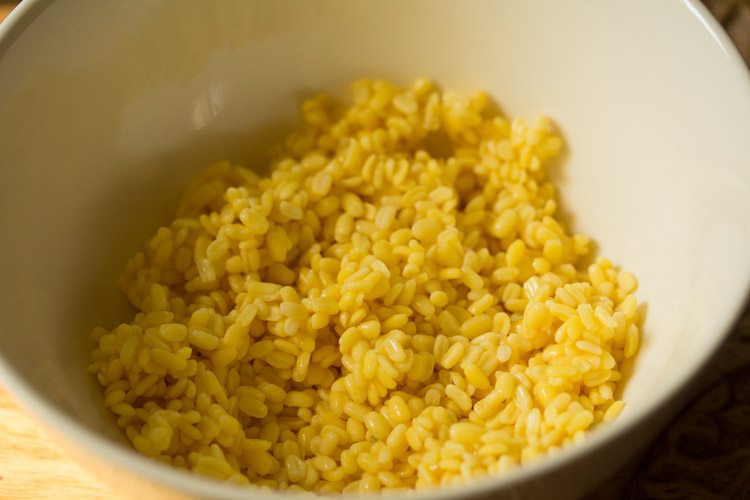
x: 108, y: 108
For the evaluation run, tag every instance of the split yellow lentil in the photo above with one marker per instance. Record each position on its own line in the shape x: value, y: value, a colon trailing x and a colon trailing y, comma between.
x: 395, y: 305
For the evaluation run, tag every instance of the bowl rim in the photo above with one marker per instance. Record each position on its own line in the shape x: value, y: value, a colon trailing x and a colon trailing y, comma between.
x: 71, y: 431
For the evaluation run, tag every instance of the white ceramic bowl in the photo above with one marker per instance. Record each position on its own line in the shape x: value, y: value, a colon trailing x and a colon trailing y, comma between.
x: 103, y: 105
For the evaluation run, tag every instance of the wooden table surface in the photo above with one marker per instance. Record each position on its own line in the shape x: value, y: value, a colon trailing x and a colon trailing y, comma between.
x: 34, y: 466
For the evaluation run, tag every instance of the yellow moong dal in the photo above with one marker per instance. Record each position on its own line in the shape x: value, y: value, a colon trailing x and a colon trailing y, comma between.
x: 395, y: 305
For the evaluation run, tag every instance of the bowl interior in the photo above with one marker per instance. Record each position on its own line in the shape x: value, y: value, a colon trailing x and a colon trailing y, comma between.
x: 108, y: 108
